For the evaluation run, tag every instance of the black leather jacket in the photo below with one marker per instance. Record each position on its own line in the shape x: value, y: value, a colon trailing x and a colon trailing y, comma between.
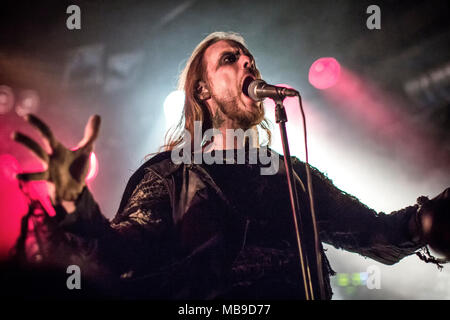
x: 178, y: 235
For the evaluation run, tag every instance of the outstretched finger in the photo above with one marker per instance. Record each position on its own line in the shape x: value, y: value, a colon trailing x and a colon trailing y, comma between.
x: 33, y: 176
x: 90, y: 133
x: 31, y: 144
x: 43, y: 129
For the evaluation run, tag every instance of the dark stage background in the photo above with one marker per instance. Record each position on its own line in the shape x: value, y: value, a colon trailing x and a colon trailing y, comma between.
x: 381, y: 133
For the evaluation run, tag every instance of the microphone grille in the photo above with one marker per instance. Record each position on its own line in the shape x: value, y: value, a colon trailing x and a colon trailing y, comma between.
x: 253, y: 86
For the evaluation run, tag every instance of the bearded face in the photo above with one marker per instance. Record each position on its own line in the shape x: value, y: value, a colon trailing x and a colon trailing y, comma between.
x: 227, y: 69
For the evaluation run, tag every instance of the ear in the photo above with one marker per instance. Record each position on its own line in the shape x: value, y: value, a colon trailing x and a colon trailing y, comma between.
x: 202, y: 90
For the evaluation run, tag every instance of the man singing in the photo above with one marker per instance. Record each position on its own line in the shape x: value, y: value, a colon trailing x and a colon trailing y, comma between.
x: 202, y: 230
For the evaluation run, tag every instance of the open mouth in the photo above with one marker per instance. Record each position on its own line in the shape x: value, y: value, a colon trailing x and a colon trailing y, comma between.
x: 245, y: 85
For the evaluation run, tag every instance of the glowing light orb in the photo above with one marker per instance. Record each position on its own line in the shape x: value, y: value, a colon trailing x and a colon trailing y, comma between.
x: 324, y: 73
x: 173, y: 107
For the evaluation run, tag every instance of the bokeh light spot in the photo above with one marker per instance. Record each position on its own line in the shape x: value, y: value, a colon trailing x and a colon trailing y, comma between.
x: 6, y: 99
x: 324, y: 73
x: 173, y: 107
x: 288, y: 102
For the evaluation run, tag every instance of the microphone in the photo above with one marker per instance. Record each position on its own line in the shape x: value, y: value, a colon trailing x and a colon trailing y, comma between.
x: 259, y: 89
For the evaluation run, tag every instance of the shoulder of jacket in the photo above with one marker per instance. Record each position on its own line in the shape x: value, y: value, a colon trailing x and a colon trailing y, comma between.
x: 294, y: 159
x: 161, y: 163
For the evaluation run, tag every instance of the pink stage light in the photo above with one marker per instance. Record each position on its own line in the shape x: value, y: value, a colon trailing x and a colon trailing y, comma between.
x: 13, y: 204
x: 324, y: 73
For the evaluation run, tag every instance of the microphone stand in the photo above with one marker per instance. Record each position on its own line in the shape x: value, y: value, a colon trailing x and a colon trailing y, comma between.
x: 281, y: 119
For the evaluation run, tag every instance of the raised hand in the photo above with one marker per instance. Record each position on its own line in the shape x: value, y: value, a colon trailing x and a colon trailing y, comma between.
x: 65, y: 168
x: 434, y: 217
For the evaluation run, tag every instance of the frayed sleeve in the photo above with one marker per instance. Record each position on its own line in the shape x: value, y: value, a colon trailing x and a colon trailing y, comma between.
x: 346, y: 223
x: 134, y: 239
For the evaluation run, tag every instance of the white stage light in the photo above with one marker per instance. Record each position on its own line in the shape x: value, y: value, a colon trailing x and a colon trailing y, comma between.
x: 173, y: 108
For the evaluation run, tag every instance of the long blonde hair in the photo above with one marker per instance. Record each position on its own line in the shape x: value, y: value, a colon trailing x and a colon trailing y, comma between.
x: 195, y: 109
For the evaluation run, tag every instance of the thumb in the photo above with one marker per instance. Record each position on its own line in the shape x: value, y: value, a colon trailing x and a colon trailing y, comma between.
x: 91, y: 132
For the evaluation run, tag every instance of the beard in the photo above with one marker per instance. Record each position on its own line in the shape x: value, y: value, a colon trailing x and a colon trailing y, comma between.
x: 242, y: 118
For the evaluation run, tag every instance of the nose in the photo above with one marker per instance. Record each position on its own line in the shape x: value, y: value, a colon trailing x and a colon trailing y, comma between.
x: 246, y: 62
